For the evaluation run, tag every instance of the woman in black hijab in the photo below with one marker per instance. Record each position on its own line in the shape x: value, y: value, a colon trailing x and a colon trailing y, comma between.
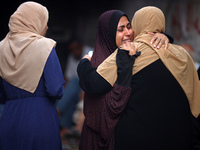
x: 103, y: 103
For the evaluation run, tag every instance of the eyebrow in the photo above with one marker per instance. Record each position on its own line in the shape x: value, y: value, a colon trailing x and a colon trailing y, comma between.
x: 122, y: 26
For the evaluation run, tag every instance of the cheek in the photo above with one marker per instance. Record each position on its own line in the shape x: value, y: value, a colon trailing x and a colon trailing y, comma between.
x: 119, y: 38
x: 132, y: 35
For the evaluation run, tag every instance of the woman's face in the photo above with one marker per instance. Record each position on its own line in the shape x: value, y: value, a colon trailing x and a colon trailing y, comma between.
x: 124, y: 32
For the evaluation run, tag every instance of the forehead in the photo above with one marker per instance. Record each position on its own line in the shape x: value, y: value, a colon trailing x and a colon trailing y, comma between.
x: 123, y: 21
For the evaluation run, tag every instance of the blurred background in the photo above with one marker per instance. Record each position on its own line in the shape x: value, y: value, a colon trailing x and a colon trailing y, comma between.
x: 77, y: 19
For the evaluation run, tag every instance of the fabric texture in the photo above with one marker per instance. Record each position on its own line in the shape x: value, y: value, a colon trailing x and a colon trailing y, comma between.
x: 29, y: 120
x: 24, y: 51
x: 175, y: 58
x: 102, y: 111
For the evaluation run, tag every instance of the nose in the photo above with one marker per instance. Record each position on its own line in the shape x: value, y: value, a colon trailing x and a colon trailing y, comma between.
x: 128, y: 31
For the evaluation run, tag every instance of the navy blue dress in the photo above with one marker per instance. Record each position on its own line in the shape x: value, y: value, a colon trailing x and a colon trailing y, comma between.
x: 30, y: 120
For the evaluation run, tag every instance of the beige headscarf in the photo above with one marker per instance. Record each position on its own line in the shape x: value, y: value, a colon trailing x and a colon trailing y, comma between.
x: 24, y: 51
x: 175, y: 58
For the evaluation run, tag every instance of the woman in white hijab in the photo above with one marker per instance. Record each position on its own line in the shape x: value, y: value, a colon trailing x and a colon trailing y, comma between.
x: 30, y: 81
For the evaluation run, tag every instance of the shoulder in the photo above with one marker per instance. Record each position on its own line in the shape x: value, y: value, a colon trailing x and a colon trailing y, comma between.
x: 44, y: 43
x: 179, y: 52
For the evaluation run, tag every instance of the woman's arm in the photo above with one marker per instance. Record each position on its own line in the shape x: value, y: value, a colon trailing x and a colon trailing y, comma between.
x: 2, y: 94
x: 53, y: 76
x: 160, y: 39
x: 125, y: 59
x: 89, y: 80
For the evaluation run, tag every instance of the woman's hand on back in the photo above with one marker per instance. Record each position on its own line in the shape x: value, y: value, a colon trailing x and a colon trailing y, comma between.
x: 159, y: 39
x: 129, y: 46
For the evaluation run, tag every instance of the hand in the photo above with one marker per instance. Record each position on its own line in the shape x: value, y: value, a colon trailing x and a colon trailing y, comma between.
x: 129, y: 46
x: 159, y: 39
x: 88, y: 57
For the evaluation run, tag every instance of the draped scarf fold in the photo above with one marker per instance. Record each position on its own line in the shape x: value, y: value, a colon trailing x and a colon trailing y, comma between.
x: 24, y: 51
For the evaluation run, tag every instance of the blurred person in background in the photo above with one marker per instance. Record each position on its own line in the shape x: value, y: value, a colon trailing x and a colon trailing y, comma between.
x: 66, y: 107
x: 77, y: 50
x: 31, y: 80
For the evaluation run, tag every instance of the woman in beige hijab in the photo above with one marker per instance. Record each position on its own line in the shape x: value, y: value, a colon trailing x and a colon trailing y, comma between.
x: 165, y: 91
x: 30, y: 81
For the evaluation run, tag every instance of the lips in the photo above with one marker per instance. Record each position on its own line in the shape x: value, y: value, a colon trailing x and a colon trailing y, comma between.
x: 127, y: 40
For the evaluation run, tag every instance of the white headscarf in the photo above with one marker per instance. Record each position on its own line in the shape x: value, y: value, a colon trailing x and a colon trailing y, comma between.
x: 24, y: 51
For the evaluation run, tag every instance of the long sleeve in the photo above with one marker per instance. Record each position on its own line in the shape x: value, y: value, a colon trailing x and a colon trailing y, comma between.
x: 89, y: 80
x: 2, y: 94
x: 54, y: 79
x: 124, y: 67
x: 171, y: 39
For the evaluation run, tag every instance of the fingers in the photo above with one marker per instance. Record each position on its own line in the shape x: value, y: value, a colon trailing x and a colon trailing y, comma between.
x: 166, y: 43
x: 153, y: 38
x: 87, y: 56
x: 151, y: 33
x: 134, y: 50
x: 158, y: 40
x: 156, y: 43
x: 129, y: 46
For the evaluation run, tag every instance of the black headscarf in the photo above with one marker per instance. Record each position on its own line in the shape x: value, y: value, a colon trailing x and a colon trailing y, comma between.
x: 106, y: 36
x: 102, y: 112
